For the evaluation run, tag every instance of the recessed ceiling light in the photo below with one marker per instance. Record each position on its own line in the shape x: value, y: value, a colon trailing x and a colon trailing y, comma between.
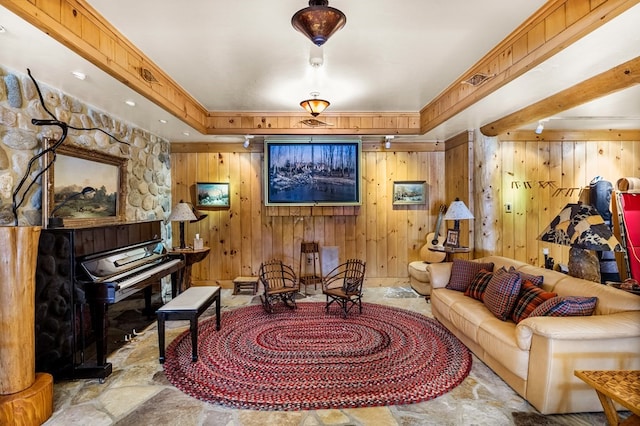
x: 130, y: 103
x: 163, y: 121
x: 186, y: 133
x: 79, y: 75
x: 2, y: 29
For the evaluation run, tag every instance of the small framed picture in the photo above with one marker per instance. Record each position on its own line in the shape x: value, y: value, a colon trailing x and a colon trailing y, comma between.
x: 212, y: 194
x: 452, y: 238
x: 409, y: 192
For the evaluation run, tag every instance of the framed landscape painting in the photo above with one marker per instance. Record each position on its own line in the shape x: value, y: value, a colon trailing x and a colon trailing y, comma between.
x: 74, y: 172
x: 212, y: 194
x: 312, y: 173
x: 409, y: 192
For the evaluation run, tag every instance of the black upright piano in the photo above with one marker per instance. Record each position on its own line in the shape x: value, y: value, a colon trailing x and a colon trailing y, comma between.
x: 80, y: 272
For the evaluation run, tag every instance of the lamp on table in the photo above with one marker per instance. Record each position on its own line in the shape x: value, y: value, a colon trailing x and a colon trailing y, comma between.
x: 182, y: 213
x: 457, y: 211
x: 581, y: 227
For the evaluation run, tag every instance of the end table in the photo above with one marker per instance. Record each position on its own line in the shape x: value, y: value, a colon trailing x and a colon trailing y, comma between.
x: 190, y: 256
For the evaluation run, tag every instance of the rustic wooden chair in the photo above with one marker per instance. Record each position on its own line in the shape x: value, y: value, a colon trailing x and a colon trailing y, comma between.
x: 343, y: 285
x: 279, y: 283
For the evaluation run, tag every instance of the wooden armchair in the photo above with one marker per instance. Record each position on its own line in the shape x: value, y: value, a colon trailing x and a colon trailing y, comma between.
x: 343, y: 285
x: 279, y: 282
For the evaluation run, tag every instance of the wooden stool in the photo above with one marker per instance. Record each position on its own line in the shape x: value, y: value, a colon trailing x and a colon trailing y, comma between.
x: 245, y: 283
x: 188, y: 305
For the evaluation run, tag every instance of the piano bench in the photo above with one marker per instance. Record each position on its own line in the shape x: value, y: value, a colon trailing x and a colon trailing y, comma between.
x: 188, y: 305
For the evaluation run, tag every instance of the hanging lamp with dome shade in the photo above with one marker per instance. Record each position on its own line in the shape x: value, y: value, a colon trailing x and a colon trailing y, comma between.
x: 314, y: 106
x: 318, y: 22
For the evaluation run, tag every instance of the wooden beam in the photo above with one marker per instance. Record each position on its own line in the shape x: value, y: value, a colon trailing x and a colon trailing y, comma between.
x: 617, y: 78
x: 555, y: 26
x: 572, y: 135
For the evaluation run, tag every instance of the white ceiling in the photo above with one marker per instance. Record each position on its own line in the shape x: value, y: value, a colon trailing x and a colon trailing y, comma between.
x: 390, y: 56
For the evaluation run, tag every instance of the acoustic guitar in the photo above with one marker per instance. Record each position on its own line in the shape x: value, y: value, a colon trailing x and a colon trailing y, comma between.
x: 435, y: 240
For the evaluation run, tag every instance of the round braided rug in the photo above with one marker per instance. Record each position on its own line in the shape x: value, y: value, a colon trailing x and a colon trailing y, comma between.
x: 306, y: 359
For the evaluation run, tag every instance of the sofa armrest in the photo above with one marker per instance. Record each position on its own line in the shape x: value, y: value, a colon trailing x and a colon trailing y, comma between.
x: 594, y: 327
x: 439, y: 274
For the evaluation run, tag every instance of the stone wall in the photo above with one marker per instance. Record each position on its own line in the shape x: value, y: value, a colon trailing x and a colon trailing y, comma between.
x: 148, y: 166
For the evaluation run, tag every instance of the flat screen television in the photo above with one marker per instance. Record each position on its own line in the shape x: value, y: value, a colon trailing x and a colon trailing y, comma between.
x: 312, y: 173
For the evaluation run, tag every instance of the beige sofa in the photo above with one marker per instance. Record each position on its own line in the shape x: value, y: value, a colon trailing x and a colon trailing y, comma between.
x: 537, y: 357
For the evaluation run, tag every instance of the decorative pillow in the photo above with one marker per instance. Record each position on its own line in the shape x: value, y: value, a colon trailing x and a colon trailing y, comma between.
x: 464, y: 271
x: 530, y: 297
x: 501, y: 294
x: 535, y: 279
x: 478, y: 285
x: 566, y: 306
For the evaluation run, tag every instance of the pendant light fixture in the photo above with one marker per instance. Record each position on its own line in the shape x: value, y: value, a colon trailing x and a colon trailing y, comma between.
x: 314, y: 106
x: 318, y: 22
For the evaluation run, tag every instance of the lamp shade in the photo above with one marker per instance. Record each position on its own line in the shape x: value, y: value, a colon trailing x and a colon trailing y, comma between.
x: 318, y: 22
x: 181, y: 213
x: 579, y: 225
x: 458, y: 211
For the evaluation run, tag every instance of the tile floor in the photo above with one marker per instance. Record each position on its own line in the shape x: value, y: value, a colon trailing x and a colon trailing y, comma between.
x: 137, y: 393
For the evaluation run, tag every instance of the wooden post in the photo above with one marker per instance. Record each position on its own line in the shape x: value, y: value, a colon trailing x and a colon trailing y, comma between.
x: 22, y: 399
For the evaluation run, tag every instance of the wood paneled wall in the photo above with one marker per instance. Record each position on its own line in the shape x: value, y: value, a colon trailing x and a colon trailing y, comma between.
x: 538, y: 177
x: 241, y: 237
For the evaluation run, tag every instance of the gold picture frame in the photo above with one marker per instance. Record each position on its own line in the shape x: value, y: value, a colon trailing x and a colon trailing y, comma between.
x: 75, y: 168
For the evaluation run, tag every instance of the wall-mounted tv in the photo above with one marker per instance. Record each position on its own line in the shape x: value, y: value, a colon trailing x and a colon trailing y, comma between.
x: 312, y: 173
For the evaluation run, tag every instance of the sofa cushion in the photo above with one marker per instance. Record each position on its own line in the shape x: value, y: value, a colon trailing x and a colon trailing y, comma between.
x: 534, y: 279
x: 566, y: 306
x: 478, y: 285
x: 502, y: 293
x: 530, y: 297
x: 463, y: 272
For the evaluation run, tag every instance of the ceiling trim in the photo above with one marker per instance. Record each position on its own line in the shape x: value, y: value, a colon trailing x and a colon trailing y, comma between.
x: 78, y: 26
x: 268, y: 123
x: 620, y: 77
x: 258, y: 147
x: 82, y: 29
x: 554, y: 27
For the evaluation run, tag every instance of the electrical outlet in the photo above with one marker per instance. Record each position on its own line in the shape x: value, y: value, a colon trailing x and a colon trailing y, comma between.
x: 507, y: 208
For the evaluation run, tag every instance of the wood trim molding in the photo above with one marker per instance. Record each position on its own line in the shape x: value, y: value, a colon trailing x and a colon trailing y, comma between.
x: 555, y: 26
x: 617, y: 78
x: 572, y: 135
x: 257, y: 146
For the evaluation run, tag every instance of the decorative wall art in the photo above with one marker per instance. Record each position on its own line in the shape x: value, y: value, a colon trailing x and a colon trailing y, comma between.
x: 409, y: 192
x: 212, y: 194
x: 74, y: 171
x: 312, y: 173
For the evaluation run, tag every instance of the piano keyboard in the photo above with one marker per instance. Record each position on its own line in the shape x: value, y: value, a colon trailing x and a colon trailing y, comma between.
x: 126, y: 287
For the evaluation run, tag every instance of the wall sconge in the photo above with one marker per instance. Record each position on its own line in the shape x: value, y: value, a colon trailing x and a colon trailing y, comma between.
x: 387, y: 142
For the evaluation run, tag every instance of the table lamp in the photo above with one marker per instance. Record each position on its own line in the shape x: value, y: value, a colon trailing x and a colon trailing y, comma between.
x: 182, y: 213
x: 580, y: 226
x: 457, y: 211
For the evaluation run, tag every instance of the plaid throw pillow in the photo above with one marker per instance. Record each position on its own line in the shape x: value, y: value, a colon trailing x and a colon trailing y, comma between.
x: 464, y: 271
x: 478, y: 285
x: 535, y: 279
x: 501, y: 294
x: 566, y: 306
x: 530, y: 297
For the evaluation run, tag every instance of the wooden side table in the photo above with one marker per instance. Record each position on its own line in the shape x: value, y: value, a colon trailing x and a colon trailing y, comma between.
x: 621, y: 386
x: 245, y: 283
x: 450, y: 251
x: 190, y: 257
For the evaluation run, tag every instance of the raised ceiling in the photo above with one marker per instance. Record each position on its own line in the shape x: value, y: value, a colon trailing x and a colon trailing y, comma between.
x: 390, y: 57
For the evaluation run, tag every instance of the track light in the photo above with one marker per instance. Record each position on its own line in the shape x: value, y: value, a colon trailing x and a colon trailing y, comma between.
x: 387, y: 142
x: 540, y: 128
x: 247, y: 141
